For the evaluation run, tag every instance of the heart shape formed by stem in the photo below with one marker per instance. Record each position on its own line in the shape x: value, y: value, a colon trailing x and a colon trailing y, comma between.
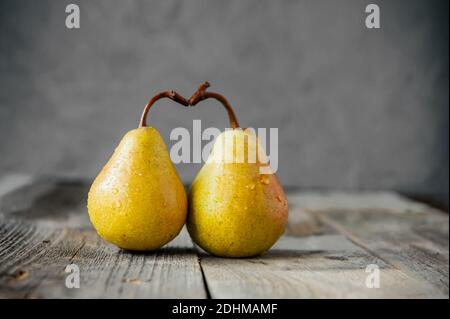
x: 198, y: 96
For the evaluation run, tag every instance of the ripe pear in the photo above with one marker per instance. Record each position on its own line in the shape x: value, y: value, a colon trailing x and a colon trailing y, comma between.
x: 138, y: 202
x: 237, y: 206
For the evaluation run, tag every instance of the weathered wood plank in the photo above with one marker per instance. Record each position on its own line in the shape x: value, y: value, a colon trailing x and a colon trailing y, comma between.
x: 105, y: 271
x: 399, y: 241
x: 20, y: 278
x: 358, y: 201
x: 44, y: 227
x: 327, y: 266
x: 109, y: 272
x: 329, y: 241
x: 302, y: 223
x: 410, y: 236
x: 48, y: 200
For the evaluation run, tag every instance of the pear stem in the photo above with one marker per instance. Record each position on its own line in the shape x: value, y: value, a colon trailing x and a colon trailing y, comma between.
x: 174, y: 96
x: 201, y: 94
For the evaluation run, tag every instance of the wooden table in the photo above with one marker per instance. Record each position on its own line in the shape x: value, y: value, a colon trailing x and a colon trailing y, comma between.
x: 330, y: 240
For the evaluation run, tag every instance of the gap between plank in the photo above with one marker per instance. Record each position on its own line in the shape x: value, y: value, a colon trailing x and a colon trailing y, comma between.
x: 205, y: 282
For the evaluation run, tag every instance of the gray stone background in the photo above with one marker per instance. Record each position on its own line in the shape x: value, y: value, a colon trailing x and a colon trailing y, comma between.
x: 355, y: 108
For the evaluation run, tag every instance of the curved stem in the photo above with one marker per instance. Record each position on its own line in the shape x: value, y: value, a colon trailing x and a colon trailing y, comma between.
x: 201, y: 94
x: 174, y: 96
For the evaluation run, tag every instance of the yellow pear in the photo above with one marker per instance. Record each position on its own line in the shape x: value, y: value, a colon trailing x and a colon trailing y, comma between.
x: 138, y: 202
x: 237, y: 206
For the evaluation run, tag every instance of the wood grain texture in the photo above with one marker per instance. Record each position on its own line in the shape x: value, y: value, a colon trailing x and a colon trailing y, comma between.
x: 321, y: 264
x: 327, y: 266
x: 330, y: 239
x: 410, y: 236
x: 44, y: 227
x: 358, y: 201
x: 412, y: 243
x: 108, y: 272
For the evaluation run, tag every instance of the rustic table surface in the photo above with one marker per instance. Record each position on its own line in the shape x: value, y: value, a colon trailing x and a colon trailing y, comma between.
x: 330, y: 240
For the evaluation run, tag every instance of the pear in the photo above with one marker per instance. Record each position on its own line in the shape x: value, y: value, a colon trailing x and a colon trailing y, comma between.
x: 236, y: 209
x: 237, y: 206
x: 138, y: 202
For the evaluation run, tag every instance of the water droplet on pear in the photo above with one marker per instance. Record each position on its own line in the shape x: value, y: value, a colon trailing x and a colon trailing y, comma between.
x: 265, y: 179
x: 251, y: 186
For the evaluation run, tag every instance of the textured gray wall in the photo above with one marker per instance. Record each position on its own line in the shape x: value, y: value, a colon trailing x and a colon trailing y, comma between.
x: 356, y: 108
